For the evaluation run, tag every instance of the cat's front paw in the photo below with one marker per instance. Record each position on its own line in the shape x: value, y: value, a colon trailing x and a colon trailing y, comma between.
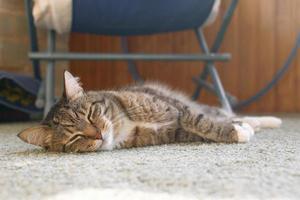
x: 244, y: 132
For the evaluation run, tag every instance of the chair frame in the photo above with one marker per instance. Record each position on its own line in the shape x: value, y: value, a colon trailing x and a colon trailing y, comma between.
x: 209, y: 56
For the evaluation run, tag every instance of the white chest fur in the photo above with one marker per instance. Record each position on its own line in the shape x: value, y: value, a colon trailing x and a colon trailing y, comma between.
x: 113, y: 138
x: 125, y: 131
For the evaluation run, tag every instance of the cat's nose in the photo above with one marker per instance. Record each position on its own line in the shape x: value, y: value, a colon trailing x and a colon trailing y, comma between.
x: 92, y: 132
x: 98, y: 136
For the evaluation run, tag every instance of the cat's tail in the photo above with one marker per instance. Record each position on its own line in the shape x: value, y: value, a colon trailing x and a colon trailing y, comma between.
x: 258, y: 123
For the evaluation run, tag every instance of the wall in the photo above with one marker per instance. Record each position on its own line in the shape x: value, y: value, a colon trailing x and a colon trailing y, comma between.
x: 14, y: 43
x: 260, y: 37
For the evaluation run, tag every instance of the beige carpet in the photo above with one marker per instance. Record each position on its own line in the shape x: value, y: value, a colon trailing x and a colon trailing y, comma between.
x: 267, y: 167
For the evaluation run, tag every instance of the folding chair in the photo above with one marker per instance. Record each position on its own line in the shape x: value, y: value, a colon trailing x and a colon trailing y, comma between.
x: 138, y: 17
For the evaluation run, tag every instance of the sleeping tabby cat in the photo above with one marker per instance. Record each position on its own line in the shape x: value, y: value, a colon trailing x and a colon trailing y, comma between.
x: 135, y: 116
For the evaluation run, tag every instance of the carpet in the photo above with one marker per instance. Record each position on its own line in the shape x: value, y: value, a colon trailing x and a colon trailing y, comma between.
x: 267, y: 167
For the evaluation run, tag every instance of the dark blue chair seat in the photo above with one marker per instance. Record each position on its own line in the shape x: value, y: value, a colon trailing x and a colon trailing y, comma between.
x: 138, y: 17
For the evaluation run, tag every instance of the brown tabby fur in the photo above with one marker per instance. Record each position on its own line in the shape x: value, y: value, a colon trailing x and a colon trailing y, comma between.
x: 89, y: 121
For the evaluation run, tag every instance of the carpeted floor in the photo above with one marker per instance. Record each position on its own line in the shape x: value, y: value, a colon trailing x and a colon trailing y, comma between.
x: 267, y: 167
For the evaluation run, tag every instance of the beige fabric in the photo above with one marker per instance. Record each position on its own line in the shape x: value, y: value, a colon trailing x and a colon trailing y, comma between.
x: 214, y: 13
x: 53, y: 14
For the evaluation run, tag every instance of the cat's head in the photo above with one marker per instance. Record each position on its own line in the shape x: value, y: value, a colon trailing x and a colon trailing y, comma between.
x: 71, y: 124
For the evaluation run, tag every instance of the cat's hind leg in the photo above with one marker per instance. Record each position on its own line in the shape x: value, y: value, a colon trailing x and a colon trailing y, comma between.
x: 262, y: 122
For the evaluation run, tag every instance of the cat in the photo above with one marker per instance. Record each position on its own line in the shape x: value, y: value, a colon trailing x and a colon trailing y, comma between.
x: 135, y: 116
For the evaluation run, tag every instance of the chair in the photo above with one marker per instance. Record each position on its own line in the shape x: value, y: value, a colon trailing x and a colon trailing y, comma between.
x: 138, y: 17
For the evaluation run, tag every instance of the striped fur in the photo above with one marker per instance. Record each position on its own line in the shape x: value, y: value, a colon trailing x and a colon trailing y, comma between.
x: 134, y: 116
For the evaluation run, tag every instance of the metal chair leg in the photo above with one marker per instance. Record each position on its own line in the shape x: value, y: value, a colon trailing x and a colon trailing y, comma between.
x: 210, y: 88
x: 217, y: 43
x: 203, y: 76
x: 131, y: 65
x: 50, y: 75
x: 219, y: 88
x: 211, y: 70
x: 33, y: 38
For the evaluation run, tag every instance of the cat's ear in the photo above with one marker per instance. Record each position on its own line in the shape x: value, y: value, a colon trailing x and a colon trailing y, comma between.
x: 72, y: 86
x: 38, y: 135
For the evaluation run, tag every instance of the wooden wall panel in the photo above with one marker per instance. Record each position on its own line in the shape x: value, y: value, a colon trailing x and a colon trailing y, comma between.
x: 297, y: 64
x: 286, y: 30
x: 266, y: 42
x: 260, y: 37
